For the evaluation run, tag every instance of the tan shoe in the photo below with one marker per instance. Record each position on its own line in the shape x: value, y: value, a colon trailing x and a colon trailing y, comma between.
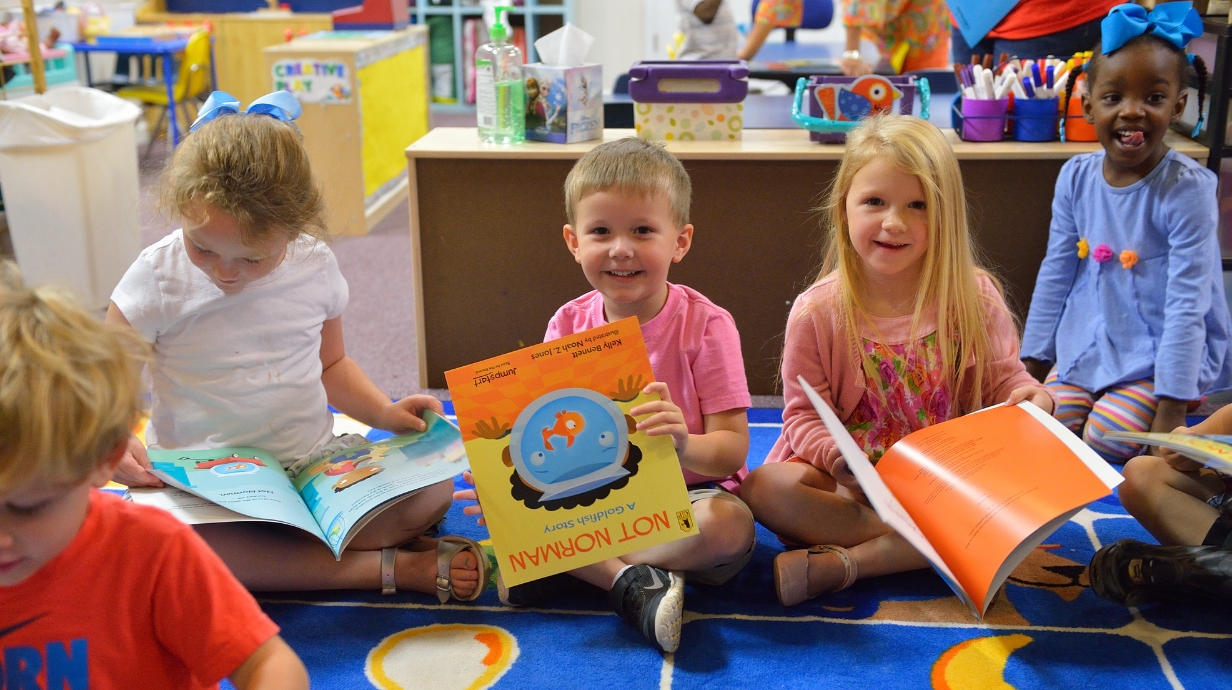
x: 791, y: 573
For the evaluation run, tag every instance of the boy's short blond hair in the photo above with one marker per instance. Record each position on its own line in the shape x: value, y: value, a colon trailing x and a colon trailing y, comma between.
x: 632, y: 166
x: 70, y: 387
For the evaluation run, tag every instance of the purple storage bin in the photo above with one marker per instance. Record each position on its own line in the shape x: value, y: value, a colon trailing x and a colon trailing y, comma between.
x: 689, y: 81
x: 983, y: 119
x: 905, y: 84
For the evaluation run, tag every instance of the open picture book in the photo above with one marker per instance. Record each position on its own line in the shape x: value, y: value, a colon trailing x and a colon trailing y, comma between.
x: 976, y: 494
x: 1212, y: 450
x: 332, y: 498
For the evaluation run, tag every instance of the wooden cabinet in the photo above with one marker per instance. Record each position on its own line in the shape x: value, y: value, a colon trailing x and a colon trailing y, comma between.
x: 365, y: 101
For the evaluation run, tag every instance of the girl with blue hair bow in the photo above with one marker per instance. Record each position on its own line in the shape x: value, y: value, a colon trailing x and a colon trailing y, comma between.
x: 1129, y: 322
x: 243, y: 310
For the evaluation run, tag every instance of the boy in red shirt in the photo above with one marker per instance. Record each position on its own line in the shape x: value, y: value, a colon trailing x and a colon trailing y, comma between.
x: 96, y: 592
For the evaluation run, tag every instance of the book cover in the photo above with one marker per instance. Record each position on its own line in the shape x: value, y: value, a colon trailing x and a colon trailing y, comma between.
x: 564, y: 477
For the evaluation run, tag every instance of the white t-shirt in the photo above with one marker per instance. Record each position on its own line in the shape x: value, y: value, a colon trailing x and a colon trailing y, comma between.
x: 718, y: 40
x: 241, y: 369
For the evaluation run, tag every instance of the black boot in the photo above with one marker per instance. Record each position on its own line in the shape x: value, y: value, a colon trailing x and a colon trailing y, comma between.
x: 1131, y: 573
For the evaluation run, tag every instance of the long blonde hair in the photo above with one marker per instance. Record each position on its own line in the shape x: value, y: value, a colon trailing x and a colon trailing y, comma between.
x: 948, y: 277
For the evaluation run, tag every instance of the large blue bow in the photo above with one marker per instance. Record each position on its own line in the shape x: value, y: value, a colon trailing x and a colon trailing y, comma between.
x: 280, y: 105
x: 1175, y: 22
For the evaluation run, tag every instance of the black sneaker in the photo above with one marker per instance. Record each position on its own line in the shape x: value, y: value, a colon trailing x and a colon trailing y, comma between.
x: 652, y: 600
x: 531, y: 593
x: 1131, y: 573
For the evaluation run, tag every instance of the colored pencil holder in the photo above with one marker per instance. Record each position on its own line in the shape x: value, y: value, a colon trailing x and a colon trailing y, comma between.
x: 983, y: 119
x: 1035, y: 119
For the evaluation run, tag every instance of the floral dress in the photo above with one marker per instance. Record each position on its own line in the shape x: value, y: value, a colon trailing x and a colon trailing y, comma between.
x: 907, y: 393
x: 924, y: 25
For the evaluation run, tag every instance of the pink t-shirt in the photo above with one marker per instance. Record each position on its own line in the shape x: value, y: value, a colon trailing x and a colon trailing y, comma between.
x: 694, y: 348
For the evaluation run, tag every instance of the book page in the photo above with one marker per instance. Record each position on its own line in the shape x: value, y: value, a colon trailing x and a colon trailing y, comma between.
x: 979, y: 486
x: 564, y: 476
x: 1213, y: 451
x: 879, y: 496
x: 347, y: 489
x: 248, y: 481
x: 189, y: 509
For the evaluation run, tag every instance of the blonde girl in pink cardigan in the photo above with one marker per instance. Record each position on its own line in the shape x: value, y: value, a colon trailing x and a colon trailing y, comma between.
x: 866, y: 335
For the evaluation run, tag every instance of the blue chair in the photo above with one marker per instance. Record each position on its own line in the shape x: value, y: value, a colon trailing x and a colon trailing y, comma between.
x: 817, y: 15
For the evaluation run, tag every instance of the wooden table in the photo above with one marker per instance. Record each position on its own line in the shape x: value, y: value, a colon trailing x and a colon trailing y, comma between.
x: 490, y: 265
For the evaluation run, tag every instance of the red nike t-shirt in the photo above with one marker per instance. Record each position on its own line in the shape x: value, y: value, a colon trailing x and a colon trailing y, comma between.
x: 136, y: 600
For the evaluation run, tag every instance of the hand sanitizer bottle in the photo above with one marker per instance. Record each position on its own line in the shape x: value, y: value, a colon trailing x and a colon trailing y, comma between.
x: 499, y: 93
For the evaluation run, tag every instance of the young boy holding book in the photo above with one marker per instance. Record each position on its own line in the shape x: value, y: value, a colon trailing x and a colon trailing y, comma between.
x: 1188, y: 508
x: 627, y: 203
x: 96, y: 592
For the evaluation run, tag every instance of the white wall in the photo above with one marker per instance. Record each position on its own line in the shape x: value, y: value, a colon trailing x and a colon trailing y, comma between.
x: 617, y: 28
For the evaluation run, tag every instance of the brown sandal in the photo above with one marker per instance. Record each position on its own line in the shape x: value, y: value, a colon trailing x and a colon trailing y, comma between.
x: 791, y: 573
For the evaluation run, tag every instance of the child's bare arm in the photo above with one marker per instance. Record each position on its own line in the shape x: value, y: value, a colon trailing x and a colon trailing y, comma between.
x: 351, y: 391
x: 717, y: 452
x: 274, y: 666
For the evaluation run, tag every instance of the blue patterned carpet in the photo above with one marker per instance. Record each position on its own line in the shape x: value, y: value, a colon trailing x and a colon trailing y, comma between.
x: 1047, y: 630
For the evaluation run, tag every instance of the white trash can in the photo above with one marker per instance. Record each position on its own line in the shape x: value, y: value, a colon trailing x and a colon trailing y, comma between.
x: 68, y: 173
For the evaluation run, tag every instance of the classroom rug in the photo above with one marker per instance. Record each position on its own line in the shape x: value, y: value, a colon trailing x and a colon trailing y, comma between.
x: 1047, y: 629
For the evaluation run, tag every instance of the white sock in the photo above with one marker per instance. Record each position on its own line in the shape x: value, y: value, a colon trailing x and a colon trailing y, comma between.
x: 619, y: 573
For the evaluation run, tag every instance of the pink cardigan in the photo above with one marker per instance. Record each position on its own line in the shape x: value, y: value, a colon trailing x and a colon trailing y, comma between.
x: 816, y: 348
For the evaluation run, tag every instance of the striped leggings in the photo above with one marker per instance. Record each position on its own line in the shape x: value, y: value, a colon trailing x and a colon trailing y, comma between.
x: 1125, y: 407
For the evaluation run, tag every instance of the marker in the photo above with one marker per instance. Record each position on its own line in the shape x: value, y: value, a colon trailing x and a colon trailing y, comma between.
x: 1035, y: 72
x: 1028, y: 87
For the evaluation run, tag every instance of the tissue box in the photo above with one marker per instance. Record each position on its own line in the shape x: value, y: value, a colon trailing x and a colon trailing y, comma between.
x: 563, y: 104
x: 684, y: 100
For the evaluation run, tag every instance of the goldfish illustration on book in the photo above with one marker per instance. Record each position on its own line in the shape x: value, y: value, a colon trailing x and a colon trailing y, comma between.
x: 866, y: 96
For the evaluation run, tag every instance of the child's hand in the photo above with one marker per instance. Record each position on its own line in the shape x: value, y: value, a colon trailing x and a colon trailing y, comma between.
x: 843, y: 475
x: 134, y: 467
x: 1035, y: 395
x: 470, y: 495
x: 665, y: 417
x: 1179, y: 462
x: 406, y: 415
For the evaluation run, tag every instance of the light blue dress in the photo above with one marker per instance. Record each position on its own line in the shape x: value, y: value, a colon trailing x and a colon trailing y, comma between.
x: 1165, y: 317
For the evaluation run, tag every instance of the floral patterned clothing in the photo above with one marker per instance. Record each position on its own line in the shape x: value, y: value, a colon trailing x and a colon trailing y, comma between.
x: 924, y: 25
x: 785, y: 13
x: 907, y: 393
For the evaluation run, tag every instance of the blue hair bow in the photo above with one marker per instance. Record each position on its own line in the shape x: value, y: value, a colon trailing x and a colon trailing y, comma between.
x: 280, y: 105
x: 1175, y: 22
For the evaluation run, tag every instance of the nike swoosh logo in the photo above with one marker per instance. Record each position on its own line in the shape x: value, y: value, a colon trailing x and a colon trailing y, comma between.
x: 19, y: 626
x: 654, y: 576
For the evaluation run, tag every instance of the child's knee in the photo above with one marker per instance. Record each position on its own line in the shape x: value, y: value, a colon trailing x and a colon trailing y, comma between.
x: 763, y: 486
x: 1144, y: 475
x: 727, y: 527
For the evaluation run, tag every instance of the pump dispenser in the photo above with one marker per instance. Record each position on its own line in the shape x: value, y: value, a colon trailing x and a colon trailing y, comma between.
x: 499, y: 94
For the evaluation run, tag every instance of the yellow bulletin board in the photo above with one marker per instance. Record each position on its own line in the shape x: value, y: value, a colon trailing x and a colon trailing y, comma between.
x: 393, y: 116
x: 357, y: 130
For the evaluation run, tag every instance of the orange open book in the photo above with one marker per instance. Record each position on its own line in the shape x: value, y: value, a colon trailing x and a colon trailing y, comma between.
x: 978, y: 493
